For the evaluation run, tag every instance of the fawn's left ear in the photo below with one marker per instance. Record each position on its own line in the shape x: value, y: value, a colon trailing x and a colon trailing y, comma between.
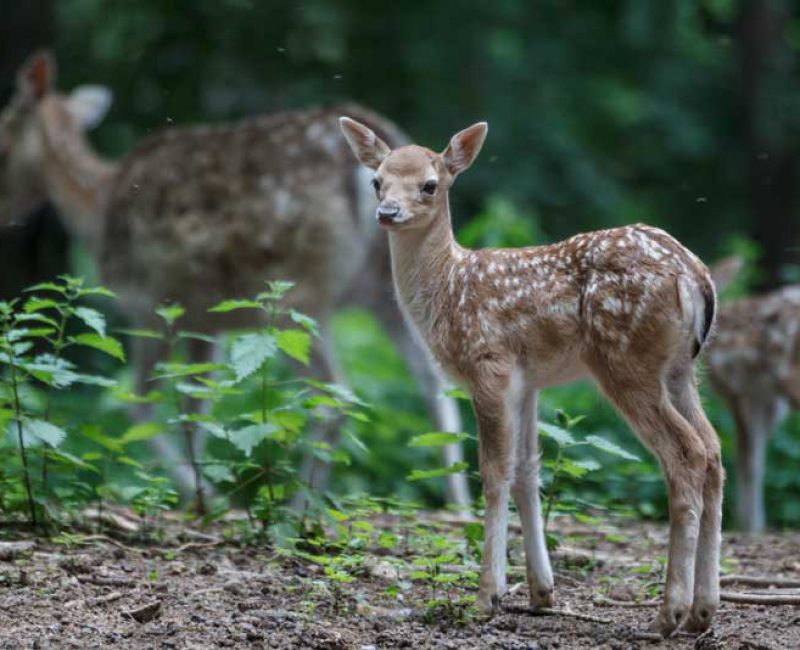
x: 367, y: 147
x: 464, y: 148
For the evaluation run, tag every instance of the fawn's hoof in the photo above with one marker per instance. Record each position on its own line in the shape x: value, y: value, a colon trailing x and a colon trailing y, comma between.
x: 700, y: 618
x: 541, y: 597
x: 488, y: 606
x: 669, y: 618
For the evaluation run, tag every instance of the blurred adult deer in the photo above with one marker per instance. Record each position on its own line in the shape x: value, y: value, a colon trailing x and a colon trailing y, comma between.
x: 629, y: 306
x: 197, y: 215
x: 754, y: 365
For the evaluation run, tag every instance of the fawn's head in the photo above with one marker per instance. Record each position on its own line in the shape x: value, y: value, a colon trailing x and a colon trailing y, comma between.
x: 36, y: 120
x: 412, y: 182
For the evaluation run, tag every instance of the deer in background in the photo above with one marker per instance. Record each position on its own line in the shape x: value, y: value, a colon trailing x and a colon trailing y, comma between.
x: 629, y: 306
x: 754, y: 366
x: 197, y: 215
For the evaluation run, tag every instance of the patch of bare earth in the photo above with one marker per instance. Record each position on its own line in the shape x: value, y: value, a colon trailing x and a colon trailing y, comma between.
x: 101, y: 593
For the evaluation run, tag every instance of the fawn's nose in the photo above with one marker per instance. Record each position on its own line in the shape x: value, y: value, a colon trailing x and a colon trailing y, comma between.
x: 388, y: 211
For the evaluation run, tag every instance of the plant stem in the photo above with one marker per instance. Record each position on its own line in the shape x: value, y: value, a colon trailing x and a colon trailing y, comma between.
x: 551, y: 492
x: 23, y: 455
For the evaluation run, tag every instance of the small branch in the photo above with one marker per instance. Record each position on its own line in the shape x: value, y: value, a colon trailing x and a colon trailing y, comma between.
x: 760, y: 599
x: 548, y: 611
x: 758, y: 581
x: 602, y: 601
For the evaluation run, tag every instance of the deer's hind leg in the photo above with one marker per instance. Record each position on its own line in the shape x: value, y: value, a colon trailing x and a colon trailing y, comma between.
x: 644, y: 400
x: 525, y: 491
x: 685, y: 398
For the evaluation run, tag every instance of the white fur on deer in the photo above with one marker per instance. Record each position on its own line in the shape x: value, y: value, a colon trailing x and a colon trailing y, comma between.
x: 630, y: 306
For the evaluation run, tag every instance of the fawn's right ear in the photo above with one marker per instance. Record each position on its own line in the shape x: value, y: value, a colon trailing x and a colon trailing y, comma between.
x: 726, y: 271
x: 36, y: 76
x: 367, y: 147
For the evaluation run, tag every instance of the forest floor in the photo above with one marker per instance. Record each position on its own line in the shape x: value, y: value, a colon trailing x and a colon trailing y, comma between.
x: 194, y: 590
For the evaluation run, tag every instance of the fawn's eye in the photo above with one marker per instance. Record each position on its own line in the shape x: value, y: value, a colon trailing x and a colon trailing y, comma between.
x: 376, y: 185
x: 429, y: 187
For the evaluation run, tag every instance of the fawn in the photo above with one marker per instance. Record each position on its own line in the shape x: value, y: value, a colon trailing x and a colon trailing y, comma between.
x: 197, y: 215
x: 629, y: 306
x: 754, y: 366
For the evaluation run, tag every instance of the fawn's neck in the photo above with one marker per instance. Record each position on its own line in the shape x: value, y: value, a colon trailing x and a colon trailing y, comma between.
x: 421, y: 264
x: 78, y: 180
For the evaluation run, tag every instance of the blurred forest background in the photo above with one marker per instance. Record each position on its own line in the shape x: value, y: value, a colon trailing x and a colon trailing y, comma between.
x: 684, y: 114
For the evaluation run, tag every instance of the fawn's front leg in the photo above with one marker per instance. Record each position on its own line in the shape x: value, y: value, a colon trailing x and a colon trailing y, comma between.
x: 525, y: 490
x: 495, y: 450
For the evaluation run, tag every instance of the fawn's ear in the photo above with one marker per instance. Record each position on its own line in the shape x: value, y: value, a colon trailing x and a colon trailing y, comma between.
x: 36, y: 76
x: 464, y: 147
x: 367, y: 147
x: 89, y: 105
x: 726, y: 271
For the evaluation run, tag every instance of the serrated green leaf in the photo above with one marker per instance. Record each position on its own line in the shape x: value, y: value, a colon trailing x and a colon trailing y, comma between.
x: 295, y: 343
x: 457, y: 393
x: 561, y: 436
x: 93, y: 319
x: 610, y: 448
x: 35, y: 303
x: 231, y: 305
x: 139, y: 432
x: 48, y: 286
x: 140, y: 333
x: 250, y: 351
x: 418, y: 474
x: 34, y: 431
x: 436, y: 439
x: 305, y: 321
x: 170, y: 313
x: 97, y: 291
x: 169, y: 370
x: 38, y: 318
x: 106, y: 344
x: 247, y: 438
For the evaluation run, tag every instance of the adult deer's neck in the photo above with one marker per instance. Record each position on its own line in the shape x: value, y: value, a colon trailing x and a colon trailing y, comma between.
x: 78, y: 180
x: 421, y: 263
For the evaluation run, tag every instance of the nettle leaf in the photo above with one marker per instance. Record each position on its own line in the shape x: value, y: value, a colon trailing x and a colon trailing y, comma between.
x: 139, y: 432
x: 38, y: 318
x: 306, y: 321
x: 168, y: 370
x: 170, y: 313
x: 93, y: 319
x: 588, y: 464
x: 37, y: 431
x: 250, y: 351
x: 295, y: 343
x: 97, y: 291
x: 48, y: 286
x: 562, y: 437
x: 106, y: 344
x: 35, y: 303
x: 457, y: 393
x: 436, y: 439
x: 140, y: 333
x: 419, y: 474
x: 610, y: 448
x: 231, y: 305
x: 247, y: 438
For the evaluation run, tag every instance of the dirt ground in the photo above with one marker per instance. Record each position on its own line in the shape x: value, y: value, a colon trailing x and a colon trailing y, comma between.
x: 98, y: 592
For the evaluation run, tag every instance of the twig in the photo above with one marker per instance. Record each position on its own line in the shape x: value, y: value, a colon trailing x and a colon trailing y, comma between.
x: 760, y: 599
x: 549, y: 611
x: 104, y: 600
x: 602, y: 601
x: 107, y: 581
x: 110, y: 540
x: 758, y: 581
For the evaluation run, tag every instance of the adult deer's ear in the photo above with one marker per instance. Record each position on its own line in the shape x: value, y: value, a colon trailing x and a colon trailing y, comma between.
x: 464, y: 147
x: 89, y: 105
x: 36, y: 76
x: 367, y: 147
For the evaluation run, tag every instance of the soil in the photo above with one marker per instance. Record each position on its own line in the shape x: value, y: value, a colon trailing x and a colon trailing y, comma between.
x: 98, y: 592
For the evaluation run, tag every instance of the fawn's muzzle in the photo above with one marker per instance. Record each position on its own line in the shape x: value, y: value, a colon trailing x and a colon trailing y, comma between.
x: 388, y: 213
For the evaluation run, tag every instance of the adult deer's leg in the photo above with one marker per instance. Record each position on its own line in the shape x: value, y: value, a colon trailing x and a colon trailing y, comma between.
x: 682, y: 454
x: 683, y: 391
x: 496, y: 465
x: 443, y: 410
x: 754, y: 422
x: 146, y: 353
x: 525, y: 490
x: 314, y: 472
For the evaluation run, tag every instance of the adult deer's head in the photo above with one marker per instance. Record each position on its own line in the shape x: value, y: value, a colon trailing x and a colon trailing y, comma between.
x: 412, y: 182
x: 35, y: 125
